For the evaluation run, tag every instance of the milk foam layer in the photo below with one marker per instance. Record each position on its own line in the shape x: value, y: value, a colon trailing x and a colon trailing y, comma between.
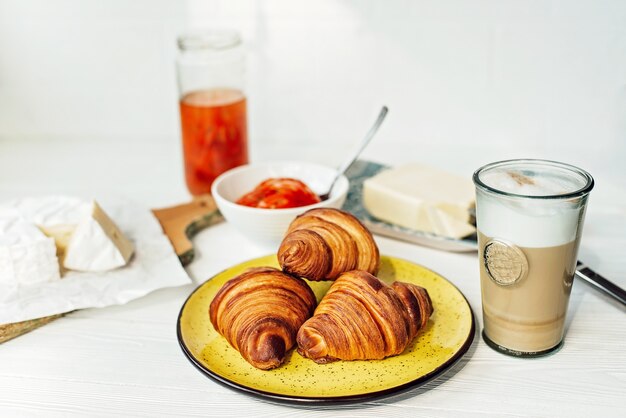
x: 527, y: 222
x: 532, y: 182
x: 525, y: 208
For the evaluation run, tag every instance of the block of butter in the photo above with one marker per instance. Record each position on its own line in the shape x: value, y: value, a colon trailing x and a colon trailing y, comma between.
x: 422, y: 198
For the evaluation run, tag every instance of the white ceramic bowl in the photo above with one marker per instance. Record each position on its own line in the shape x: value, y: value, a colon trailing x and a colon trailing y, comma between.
x: 268, y: 226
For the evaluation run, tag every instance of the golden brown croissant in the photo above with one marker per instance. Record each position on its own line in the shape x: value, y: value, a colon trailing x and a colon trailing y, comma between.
x: 259, y: 313
x: 323, y: 243
x: 362, y: 318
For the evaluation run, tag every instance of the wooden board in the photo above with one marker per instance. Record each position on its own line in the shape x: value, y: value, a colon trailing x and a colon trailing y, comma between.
x: 180, y: 223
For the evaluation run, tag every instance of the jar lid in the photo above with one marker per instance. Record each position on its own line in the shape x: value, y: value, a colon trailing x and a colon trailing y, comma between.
x: 211, y: 39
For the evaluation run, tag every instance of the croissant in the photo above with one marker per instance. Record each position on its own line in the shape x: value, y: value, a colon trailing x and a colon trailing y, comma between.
x: 363, y: 318
x: 323, y: 243
x: 259, y: 313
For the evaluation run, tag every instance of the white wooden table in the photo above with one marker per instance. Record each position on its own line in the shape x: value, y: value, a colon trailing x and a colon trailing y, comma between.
x: 126, y: 361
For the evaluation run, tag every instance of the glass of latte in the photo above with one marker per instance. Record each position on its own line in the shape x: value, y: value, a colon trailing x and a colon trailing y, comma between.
x: 529, y: 217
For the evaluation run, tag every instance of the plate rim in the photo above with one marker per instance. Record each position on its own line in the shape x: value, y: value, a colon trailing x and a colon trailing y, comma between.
x: 326, y: 400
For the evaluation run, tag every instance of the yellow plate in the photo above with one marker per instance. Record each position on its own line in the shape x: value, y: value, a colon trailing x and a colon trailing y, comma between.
x: 446, y: 338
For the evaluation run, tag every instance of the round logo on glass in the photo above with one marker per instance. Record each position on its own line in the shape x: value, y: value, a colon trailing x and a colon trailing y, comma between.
x: 505, y: 263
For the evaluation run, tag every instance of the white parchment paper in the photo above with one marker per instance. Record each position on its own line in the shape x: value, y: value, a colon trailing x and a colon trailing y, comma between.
x: 153, y: 266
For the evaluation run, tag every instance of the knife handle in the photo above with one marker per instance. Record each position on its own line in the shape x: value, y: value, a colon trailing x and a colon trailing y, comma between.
x: 585, y: 273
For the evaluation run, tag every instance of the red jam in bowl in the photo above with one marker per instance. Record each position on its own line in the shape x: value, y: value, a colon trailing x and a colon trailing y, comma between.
x: 279, y: 193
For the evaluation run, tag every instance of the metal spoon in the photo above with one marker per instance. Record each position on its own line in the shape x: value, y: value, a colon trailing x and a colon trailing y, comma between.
x: 348, y: 162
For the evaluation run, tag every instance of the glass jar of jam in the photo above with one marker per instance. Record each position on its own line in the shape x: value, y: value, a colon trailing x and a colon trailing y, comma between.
x: 210, y: 69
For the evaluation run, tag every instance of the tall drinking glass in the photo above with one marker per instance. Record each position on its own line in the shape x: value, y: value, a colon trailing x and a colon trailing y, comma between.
x: 529, y: 216
x: 213, y: 115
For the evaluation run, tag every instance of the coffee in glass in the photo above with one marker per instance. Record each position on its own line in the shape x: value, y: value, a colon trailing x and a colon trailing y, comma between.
x: 529, y: 216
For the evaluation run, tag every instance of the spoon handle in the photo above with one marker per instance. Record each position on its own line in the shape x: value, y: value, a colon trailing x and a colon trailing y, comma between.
x: 368, y: 137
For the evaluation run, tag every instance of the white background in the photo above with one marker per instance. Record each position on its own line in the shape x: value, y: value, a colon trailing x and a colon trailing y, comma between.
x: 506, y: 78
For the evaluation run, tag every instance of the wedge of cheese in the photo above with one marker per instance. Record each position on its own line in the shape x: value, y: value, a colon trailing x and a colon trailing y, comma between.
x: 27, y: 256
x: 422, y: 198
x: 61, y: 235
x: 97, y: 244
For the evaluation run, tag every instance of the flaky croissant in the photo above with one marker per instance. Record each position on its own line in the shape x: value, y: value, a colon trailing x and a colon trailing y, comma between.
x: 259, y: 313
x: 363, y: 318
x: 323, y: 243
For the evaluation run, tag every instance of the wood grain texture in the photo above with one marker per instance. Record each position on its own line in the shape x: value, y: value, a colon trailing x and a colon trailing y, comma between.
x: 10, y: 331
x: 182, y: 222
